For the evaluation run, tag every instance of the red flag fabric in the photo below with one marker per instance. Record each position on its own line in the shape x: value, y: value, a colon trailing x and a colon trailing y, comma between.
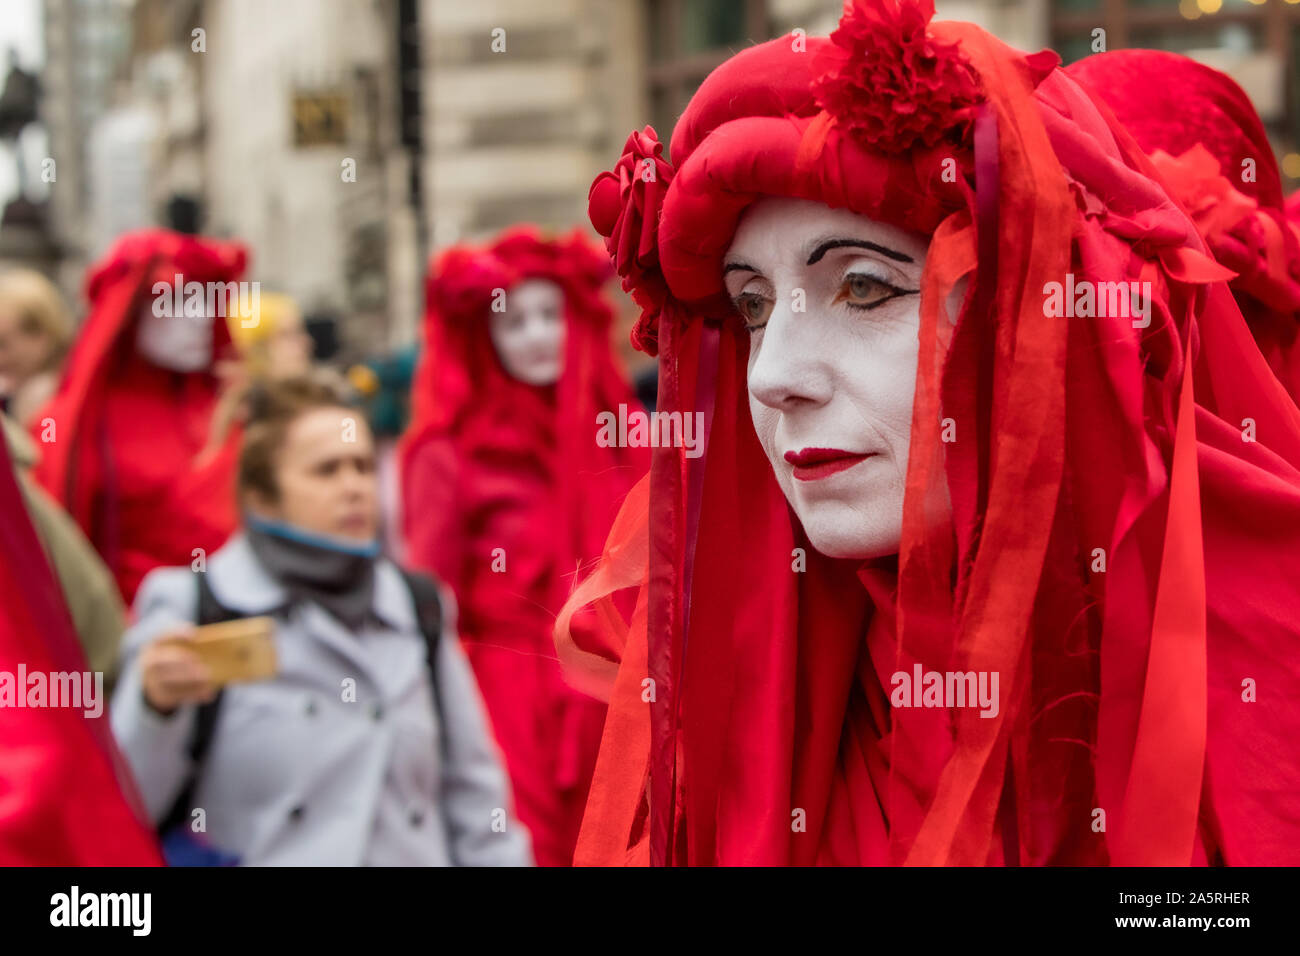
x: 65, y: 795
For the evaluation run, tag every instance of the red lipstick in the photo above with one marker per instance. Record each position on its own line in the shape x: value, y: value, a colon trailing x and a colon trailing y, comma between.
x: 811, y: 464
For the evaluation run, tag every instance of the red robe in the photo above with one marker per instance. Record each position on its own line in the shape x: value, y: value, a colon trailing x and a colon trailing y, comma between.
x: 121, y: 437
x: 505, y: 491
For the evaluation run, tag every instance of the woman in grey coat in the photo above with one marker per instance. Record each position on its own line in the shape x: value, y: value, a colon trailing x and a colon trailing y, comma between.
x: 345, y: 757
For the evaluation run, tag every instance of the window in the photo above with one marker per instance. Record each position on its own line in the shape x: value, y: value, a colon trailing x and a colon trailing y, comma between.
x: 688, y: 38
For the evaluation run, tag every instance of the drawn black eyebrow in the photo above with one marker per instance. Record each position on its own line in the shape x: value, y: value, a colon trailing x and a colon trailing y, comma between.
x: 830, y: 244
x: 739, y: 267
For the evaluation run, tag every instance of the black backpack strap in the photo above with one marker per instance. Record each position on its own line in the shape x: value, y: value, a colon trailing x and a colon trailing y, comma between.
x: 208, y: 610
x: 428, y: 612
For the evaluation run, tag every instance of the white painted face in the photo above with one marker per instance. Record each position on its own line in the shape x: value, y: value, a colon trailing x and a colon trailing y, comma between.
x: 182, y: 343
x: 529, y: 334
x: 831, y: 300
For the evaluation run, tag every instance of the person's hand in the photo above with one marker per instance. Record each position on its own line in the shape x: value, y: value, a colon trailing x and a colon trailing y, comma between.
x: 173, y: 674
x: 231, y: 372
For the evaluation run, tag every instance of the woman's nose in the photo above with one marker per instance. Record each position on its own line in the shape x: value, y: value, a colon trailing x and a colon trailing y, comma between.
x: 541, y: 328
x: 791, y: 368
x: 356, y: 481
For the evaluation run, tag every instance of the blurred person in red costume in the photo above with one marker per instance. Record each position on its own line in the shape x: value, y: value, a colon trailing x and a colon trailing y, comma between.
x: 66, y: 796
x: 1209, y: 145
x: 134, y: 406
x: 507, y: 490
x: 970, y: 571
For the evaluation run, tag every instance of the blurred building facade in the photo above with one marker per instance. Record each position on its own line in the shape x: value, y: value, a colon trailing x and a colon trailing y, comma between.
x: 524, y: 118
x: 272, y: 123
x: 25, y: 239
x: 346, y: 140
x: 85, y: 41
x: 301, y: 150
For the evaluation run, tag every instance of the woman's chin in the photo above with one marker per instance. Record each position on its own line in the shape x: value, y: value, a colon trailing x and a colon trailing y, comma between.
x: 355, y: 532
x: 849, y: 539
x: 537, y: 374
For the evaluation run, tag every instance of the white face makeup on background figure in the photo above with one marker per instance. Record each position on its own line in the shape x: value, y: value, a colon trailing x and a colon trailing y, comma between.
x: 181, y: 343
x: 529, y: 334
x: 831, y: 387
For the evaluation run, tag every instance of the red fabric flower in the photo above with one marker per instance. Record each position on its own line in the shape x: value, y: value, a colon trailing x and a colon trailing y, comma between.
x: 1196, y: 180
x: 897, y: 85
x: 1250, y: 238
x: 624, y: 205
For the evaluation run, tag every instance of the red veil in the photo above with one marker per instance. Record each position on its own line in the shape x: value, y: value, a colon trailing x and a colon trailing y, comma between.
x: 121, y: 436
x: 506, y: 491
x: 1209, y: 145
x: 1113, y: 548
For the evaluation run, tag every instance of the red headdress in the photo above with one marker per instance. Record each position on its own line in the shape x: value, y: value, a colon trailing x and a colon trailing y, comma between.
x: 507, y: 490
x: 769, y: 738
x: 1204, y: 136
x: 84, y: 448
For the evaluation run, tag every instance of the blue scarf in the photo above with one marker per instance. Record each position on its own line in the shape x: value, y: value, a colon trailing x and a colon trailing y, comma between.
x: 335, y: 573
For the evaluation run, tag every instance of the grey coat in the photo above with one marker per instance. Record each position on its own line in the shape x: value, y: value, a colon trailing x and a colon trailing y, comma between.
x: 297, y: 775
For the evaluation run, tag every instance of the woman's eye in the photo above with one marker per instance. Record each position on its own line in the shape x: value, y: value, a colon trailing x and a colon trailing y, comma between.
x: 753, y: 309
x: 860, y: 291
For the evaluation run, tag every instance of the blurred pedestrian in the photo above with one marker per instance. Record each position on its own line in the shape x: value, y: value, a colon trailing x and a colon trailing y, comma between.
x: 369, y: 745
x: 35, y: 332
x: 383, y: 382
x: 270, y: 344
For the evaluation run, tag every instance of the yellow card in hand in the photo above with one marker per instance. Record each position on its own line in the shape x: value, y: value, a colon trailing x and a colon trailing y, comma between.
x: 237, y: 651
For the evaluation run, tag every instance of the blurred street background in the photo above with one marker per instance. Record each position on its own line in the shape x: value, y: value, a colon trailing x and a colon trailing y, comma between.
x: 237, y: 118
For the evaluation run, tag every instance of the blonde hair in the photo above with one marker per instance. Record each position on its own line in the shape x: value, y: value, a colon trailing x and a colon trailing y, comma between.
x: 252, y: 344
x: 274, y: 311
x: 40, y: 309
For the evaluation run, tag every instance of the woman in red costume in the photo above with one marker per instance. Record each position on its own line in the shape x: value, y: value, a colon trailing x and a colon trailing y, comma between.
x: 1209, y: 145
x: 967, y: 574
x: 135, y: 403
x: 507, y: 490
